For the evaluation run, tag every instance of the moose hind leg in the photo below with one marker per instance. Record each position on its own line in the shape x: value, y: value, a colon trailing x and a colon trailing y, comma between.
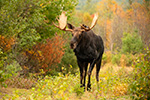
x: 89, y: 75
x: 98, y: 66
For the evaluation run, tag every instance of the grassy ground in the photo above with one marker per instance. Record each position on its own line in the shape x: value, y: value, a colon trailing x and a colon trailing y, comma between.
x: 114, y: 81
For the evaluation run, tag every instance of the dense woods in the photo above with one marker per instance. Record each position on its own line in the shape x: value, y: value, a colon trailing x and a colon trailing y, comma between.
x: 35, y: 55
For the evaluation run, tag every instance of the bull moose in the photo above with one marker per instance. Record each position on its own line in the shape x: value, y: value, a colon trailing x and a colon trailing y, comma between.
x: 87, y: 46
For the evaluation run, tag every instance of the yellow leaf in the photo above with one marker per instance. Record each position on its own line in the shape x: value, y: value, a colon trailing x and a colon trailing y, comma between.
x: 41, y: 4
x: 43, y: 86
x: 71, y: 66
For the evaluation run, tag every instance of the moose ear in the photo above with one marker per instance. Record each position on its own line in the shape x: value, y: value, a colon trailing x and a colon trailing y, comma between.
x: 70, y: 26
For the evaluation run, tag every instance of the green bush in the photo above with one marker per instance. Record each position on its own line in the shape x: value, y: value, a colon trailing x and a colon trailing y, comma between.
x: 130, y: 59
x: 119, y: 58
x: 69, y: 61
x: 116, y: 59
x: 3, y: 76
x: 12, y: 68
x: 104, y: 59
x: 140, y: 84
x: 8, y: 72
x: 131, y: 43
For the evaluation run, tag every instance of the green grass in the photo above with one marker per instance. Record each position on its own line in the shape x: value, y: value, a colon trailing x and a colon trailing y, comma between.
x: 113, y: 85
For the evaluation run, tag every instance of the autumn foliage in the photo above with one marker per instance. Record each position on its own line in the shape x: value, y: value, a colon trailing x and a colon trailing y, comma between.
x: 6, y: 43
x: 45, y: 55
x: 115, y: 19
x: 52, y: 52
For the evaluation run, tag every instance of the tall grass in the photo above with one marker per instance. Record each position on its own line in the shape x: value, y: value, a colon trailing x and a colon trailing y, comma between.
x: 113, y: 84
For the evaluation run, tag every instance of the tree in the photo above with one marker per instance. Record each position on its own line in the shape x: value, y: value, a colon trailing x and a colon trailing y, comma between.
x: 114, y: 20
x: 29, y: 22
x: 131, y: 43
x: 107, y: 10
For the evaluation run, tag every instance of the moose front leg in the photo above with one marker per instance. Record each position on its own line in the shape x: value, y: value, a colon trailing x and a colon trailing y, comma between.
x: 89, y: 74
x: 85, y: 72
x: 81, y: 76
x: 80, y: 64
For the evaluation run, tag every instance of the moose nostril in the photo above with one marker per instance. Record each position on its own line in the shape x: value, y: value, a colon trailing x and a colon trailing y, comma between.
x: 71, y: 44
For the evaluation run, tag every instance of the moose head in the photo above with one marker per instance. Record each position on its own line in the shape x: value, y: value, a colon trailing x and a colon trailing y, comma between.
x: 76, y: 31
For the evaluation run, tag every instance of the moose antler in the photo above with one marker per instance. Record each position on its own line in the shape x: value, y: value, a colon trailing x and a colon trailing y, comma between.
x: 62, y: 22
x: 93, y: 23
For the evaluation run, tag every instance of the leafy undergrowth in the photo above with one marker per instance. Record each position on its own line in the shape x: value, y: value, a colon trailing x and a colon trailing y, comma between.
x: 113, y: 84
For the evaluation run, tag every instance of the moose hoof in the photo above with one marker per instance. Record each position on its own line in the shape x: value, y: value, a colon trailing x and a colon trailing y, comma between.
x: 83, y: 86
x: 88, y: 87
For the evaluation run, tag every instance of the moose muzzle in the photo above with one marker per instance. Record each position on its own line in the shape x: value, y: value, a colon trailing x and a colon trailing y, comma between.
x: 73, y: 43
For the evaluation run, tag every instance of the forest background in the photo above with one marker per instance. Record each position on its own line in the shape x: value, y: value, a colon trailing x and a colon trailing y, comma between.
x: 35, y: 55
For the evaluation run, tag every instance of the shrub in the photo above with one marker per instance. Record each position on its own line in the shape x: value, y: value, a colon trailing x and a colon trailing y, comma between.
x: 5, y: 47
x: 69, y: 61
x: 130, y: 59
x: 12, y: 78
x: 104, y: 59
x: 123, y: 59
x: 52, y: 53
x: 6, y: 43
x: 107, y: 56
x: 116, y: 58
x: 131, y: 43
x: 44, y: 56
x: 119, y: 58
x: 8, y: 72
x: 140, y: 85
x: 2, y: 77
x: 12, y: 68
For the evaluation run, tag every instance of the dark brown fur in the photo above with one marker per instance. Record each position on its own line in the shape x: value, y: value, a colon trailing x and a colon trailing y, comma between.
x: 88, y: 48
